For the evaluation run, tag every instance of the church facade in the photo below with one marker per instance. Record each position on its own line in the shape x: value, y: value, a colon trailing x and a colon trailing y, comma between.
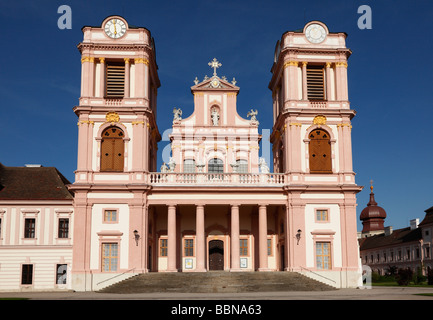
x: 215, y: 205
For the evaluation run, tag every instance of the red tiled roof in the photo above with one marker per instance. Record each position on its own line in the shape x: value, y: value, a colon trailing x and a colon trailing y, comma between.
x: 398, y: 236
x: 428, y: 217
x: 33, y: 183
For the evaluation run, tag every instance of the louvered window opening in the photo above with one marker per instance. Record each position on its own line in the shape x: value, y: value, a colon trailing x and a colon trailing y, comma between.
x: 315, y: 83
x: 115, y: 81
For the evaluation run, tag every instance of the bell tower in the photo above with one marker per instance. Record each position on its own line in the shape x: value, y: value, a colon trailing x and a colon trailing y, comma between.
x: 117, y: 107
x: 117, y: 143
x: 312, y: 116
x: 312, y: 146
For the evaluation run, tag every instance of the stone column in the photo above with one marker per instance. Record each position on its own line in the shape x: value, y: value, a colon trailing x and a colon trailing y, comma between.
x: 200, y: 240
x: 235, y: 259
x: 171, y: 242
x: 127, y: 78
x: 88, y: 76
x: 304, y: 81
x: 102, y: 77
x: 139, y: 77
x: 328, y: 82
x: 263, y: 239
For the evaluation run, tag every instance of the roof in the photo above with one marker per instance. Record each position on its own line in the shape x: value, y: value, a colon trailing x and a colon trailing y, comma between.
x: 428, y: 217
x: 397, y: 237
x: 33, y: 183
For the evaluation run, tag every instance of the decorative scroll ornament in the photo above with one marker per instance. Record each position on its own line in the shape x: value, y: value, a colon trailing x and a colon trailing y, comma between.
x: 112, y: 117
x: 319, y: 120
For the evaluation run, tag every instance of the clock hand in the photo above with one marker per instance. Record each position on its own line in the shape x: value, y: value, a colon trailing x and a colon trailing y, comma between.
x: 114, y: 24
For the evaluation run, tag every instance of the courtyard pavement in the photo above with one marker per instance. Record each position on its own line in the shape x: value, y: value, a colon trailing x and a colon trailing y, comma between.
x: 375, y: 293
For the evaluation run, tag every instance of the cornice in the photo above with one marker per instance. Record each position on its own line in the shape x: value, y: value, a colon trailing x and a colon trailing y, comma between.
x: 112, y: 46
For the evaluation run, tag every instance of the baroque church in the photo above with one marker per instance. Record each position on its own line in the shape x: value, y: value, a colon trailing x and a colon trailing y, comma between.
x: 215, y: 205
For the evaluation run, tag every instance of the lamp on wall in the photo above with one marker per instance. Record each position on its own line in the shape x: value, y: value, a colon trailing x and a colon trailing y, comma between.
x: 298, y: 236
x: 136, y: 237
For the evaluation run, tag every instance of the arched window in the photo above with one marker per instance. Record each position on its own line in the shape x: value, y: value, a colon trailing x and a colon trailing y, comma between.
x: 112, y: 149
x: 242, y: 166
x: 189, y: 165
x: 215, y: 165
x: 320, y: 152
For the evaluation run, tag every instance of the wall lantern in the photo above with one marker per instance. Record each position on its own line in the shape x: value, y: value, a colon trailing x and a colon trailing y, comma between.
x: 298, y: 236
x: 136, y: 237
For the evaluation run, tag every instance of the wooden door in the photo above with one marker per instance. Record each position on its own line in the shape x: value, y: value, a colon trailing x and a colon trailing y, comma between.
x: 112, y: 149
x: 216, y: 255
x: 320, y: 152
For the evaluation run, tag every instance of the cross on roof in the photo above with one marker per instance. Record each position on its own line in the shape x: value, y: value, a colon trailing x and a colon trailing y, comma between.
x: 214, y: 64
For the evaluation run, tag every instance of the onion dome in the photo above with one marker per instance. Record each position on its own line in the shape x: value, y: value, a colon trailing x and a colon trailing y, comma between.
x: 372, y: 216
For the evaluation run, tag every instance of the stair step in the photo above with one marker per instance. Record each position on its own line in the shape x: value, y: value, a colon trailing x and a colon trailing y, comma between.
x: 229, y: 282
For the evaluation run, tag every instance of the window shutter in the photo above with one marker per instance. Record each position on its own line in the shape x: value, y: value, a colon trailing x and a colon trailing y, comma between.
x: 115, y: 80
x: 315, y: 83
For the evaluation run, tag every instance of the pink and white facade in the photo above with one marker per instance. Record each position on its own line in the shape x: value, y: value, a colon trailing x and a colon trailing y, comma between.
x: 214, y: 204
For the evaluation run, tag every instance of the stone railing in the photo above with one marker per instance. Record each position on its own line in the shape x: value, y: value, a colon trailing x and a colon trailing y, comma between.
x: 319, y: 104
x: 221, y: 179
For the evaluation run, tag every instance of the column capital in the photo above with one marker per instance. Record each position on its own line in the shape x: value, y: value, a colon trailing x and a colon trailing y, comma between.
x: 341, y: 64
x: 291, y: 63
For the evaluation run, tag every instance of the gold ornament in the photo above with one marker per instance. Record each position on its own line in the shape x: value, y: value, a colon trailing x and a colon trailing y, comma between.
x: 112, y: 117
x: 319, y: 120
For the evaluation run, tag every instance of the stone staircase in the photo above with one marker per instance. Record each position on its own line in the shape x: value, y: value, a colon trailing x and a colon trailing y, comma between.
x: 216, y: 282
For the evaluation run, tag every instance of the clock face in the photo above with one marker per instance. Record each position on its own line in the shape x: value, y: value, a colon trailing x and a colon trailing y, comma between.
x: 115, y: 28
x: 315, y: 33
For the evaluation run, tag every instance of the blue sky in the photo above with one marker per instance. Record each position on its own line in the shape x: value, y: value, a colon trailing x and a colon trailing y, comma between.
x: 390, y: 78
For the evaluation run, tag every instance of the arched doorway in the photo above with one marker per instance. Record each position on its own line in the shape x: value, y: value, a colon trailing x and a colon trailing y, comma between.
x: 320, y: 152
x: 216, y: 255
x: 112, y: 149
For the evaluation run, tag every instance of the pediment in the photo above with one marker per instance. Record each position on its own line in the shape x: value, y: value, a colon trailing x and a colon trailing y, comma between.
x: 215, y: 83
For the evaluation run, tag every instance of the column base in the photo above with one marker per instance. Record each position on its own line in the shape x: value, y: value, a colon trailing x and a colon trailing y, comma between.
x: 264, y: 269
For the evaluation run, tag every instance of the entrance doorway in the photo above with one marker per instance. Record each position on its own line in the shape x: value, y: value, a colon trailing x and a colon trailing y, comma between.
x: 216, y: 255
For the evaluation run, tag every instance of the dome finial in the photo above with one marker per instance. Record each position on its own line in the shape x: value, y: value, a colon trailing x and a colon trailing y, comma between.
x: 371, y: 186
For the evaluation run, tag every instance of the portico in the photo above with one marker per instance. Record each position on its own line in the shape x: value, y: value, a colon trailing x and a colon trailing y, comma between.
x: 184, y: 232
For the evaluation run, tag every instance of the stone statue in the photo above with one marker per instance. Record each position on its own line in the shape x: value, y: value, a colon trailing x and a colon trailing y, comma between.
x: 171, y: 164
x: 177, y: 114
x: 253, y: 115
x: 263, y: 166
x: 215, y: 117
x: 164, y: 168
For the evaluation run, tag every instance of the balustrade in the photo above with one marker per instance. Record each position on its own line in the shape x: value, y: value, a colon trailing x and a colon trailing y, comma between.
x: 174, y: 178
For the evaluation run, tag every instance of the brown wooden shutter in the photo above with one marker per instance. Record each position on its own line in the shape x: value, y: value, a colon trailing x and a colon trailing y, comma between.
x: 315, y: 83
x: 112, y: 150
x: 320, y: 152
x: 115, y: 80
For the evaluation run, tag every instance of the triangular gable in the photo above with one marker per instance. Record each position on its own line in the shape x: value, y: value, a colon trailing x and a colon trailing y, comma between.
x: 214, y: 83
